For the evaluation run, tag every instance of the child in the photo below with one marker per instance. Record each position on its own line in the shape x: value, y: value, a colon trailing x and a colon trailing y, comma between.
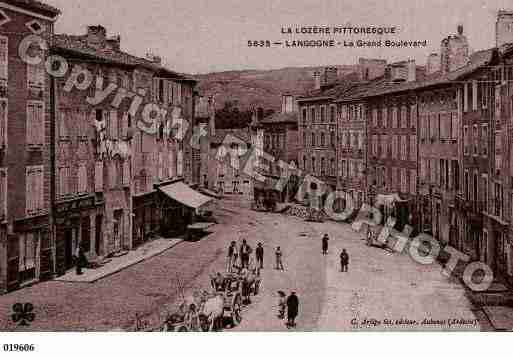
x: 282, y: 304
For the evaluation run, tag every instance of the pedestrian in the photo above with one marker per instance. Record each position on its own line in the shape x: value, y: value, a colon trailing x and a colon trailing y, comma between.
x: 279, y: 263
x: 325, y: 240
x: 81, y: 259
x: 282, y: 304
x: 292, y: 309
x: 344, y: 261
x: 259, y: 253
x: 245, y: 251
x: 232, y: 256
x: 369, y: 236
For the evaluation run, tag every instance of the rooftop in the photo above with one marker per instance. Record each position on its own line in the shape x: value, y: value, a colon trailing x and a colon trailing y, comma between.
x: 35, y: 6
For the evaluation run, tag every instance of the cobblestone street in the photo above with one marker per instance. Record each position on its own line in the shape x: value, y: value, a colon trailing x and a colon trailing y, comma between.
x: 378, y: 285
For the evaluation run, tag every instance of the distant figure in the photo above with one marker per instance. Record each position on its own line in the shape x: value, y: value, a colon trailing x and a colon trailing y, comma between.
x: 80, y: 259
x: 232, y: 256
x: 259, y: 253
x: 245, y: 251
x: 344, y: 261
x: 369, y: 236
x: 219, y: 282
x: 325, y: 240
x: 292, y: 309
x: 282, y: 304
x: 279, y: 263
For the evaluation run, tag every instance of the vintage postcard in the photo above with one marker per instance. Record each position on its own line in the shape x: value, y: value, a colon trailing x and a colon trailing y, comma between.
x: 255, y: 166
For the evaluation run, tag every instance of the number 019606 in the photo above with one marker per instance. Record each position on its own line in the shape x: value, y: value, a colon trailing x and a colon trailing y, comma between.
x: 19, y: 347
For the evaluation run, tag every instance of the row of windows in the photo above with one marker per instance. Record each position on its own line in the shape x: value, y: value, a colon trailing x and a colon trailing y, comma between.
x: 439, y: 126
x: 441, y: 172
x: 396, y: 179
x: 321, y: 139
x: 322, y: 167
x: 318, y: 114
x: 351, y: 169
x: 276, y: 140
x: 394, y: 117
x: 351, y: 139
x: 353, y: 112
x: 394, y: 147
x: 476, y: 142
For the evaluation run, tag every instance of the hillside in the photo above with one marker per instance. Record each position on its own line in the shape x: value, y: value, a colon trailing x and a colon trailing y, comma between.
x: 259, y: 88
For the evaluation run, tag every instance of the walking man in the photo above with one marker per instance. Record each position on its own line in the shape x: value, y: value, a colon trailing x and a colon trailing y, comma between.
x: 231, y: 256
x: 245, y: 251
x: 292, y: 309
x: 325, y: 240
x: 279, y: 254
x: 260, y: 255
x: 344, y: 261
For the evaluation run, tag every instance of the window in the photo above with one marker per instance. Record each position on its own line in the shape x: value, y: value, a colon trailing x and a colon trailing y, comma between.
x: 465, y: 97
x: 404, y: 148
x: 413, y: 116
x: 35, y: 123
x: 332, y: 113
x: 375, y: 117
x: 394, y: 117
x: 484, y: 139
x: 34, y: 190
x: 474, y: 95
x: 413, y: 181
x: 374, y: 145
x: 323, y: 139
x: 454, y: 125
x: 323, y: 114
x: 313, y: 139
x: 467, y: 186
x: 3, y: 193
x: 304, y: 116
x: 332, y: 167
x: 36, y: 78
x: 413, y: 148
x: 304, y: 140
x: 82, y: 178
x: 313, y: 165
x: 304, y: 163
x: 312, y: 115
x: 28, y: 243
x: 484, y: 190
x: 332, y: 139
x: 384, y: 117
x: 395, y: 146
x: 112, y: 123
x: 404, y: 116
x: 98, y: 176
x: 323, y: 166
x: 64, y: 181
x: 384, y: 146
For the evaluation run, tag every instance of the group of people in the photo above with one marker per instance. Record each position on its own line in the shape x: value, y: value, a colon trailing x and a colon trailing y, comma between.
x: 240, y: 258
x: 291, y: 304
x: 344, y: 257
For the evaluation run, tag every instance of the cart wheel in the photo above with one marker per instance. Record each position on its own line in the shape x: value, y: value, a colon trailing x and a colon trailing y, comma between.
x: 236, y: 311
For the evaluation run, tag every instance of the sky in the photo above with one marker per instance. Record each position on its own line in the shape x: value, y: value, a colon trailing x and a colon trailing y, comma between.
x: 201, y: 36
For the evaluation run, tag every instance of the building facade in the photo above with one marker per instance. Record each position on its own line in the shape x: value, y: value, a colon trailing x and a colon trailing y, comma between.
x: 25, y: 149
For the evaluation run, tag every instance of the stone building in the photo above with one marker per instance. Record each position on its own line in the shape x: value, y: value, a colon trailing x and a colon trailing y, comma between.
x: 280, y: 132
x: 25, y: 147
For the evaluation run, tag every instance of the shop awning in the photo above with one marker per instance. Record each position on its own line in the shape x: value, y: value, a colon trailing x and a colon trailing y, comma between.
x: 184, y: 194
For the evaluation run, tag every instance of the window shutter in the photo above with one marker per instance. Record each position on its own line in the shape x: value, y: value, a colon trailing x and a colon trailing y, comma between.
x: 179, y: 163
x: 82, y: 178
x: 41, y: 192
x: 4, y: 52
x: 112, y: 174
x: 3, y: 194
x: 124, y: 125
x: 98, y: 176
x: 113, y: 124
x: 126, y: 172
x: 28, y: 190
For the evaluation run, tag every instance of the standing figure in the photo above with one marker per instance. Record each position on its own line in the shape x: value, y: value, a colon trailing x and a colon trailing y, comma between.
x: 279, y: 263
x: 232, y: 255
x: 344, y: 261
x: 369, y: 236
x: 325, y: 240
x: 245, y: 251
x: 81, y: 259
x: 259, y: 253
x: 292, y: 309
x: 282, y: 304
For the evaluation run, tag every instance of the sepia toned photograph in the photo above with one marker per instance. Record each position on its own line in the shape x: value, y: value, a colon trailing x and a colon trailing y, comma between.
x: 255, y: 166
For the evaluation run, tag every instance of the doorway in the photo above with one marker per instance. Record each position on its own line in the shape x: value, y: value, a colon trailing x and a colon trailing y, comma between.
x: 98, y: 234
x: 68, y: 248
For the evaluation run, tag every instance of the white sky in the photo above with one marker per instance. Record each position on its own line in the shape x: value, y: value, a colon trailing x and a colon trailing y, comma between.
x: 198, y: 36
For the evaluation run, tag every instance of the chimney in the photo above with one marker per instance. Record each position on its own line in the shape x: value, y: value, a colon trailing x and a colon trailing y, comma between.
x: 369, y: 69
x: 330, y: 76
x: 433, y: 63
x: 317, y: 80
x: 114, y: 43
x: 504, y: 28
x: 154, y: 58
x: 403, y: 71
x: 287, y: 103
x: 454, y: 51
x: 96, y: 36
